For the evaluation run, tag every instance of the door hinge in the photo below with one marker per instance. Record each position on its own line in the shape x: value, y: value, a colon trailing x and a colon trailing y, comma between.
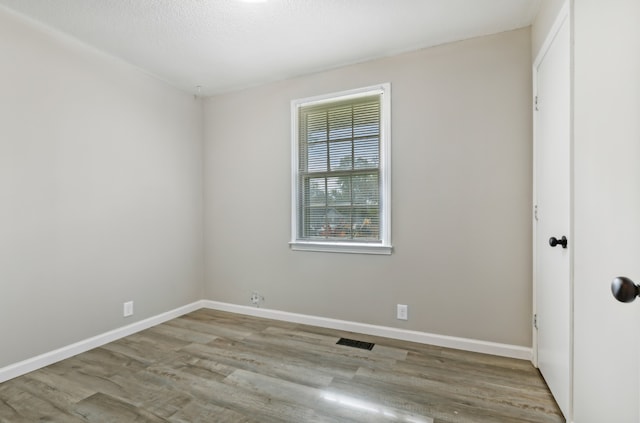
x: 535, y: 212
x: 536, y: 104
x: 535, y: 321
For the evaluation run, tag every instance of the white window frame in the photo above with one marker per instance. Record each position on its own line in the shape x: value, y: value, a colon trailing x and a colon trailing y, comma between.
x: 382, y: 247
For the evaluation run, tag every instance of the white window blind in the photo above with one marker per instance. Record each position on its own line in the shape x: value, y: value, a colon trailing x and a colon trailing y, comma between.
x: 340, y: 184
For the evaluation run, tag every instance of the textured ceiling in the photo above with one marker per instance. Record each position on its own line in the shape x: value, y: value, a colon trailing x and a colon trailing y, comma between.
x: 222, y: 45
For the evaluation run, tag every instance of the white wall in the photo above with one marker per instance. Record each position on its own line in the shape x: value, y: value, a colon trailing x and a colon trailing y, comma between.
x: 100, y: 192
x: 461, y: 156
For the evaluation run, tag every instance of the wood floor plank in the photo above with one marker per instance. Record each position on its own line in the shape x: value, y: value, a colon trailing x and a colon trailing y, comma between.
x: 482, y: 381
x: 21, y: 405
x: 479, y: 397
x: 197, y: 412
x: 212, y: 366
x: 183, y: 334
x: 280, y: 353
x: 103, y: 408
x: 321, y: 340
x: 344, y: 354
x: 257, y: 362
x: 325, y: 401
x: 222, y: 330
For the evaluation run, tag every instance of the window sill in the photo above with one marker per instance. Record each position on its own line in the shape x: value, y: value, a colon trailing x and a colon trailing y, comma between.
x: 341, y: 247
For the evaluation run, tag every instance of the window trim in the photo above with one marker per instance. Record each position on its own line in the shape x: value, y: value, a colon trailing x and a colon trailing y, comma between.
x: 382, y: 247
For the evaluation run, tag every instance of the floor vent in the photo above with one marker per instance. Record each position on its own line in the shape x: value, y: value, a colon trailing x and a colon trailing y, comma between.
x: 355, y: 344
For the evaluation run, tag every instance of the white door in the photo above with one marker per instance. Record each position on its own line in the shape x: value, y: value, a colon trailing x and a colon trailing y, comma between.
x: 607, y: 209
x: 552, y: 222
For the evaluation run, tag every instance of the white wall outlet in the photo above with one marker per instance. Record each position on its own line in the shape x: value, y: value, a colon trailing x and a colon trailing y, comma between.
x: 256, y: 298
x: 402, y: 312
x: 128, y: 309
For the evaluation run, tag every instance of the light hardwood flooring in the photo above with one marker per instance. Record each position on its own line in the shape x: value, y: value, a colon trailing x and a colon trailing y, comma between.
x: 211, y: 366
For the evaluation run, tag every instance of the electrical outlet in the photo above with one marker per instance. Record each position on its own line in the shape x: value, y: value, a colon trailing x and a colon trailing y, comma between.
x: 402, y: 312
x: 256, y: 298
x: 128, y: 309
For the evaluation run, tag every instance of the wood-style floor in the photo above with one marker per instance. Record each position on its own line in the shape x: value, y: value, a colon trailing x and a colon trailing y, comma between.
x: 210, y: 366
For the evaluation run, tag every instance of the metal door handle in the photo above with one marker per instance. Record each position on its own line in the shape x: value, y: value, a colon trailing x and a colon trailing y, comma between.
x: 624, y: 289
x: 553, y: 241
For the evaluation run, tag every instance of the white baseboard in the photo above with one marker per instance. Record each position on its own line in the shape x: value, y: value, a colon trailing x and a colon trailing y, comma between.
x: 494, y: 348
x: 46, y: 359
x: 43, y: 360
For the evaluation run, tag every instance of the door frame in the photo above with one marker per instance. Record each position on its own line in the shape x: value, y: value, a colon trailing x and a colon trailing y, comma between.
x: 563, y: 15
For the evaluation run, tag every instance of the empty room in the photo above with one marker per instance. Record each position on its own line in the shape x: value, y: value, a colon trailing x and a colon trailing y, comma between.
x: 319, y: 211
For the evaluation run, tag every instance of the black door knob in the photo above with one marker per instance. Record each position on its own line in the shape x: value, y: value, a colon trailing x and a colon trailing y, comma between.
x: 553, y: 241
x: 624, y: 289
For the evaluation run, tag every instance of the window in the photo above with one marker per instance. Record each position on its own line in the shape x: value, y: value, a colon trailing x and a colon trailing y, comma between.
x: 340, y: 172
